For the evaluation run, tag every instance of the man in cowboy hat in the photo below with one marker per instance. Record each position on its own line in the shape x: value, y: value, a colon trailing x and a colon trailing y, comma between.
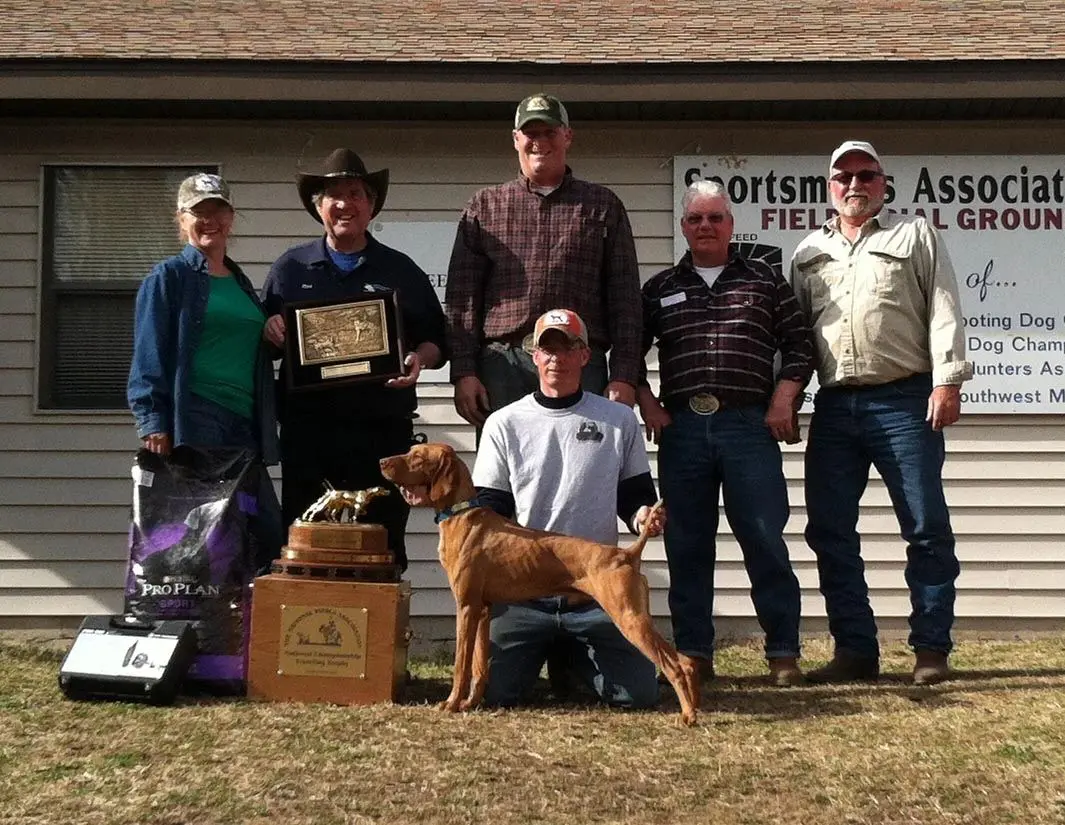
x: 341, y: 433
x: 543, y: 240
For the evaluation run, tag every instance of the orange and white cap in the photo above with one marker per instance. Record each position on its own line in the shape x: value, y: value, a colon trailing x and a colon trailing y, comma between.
x: 564, y: 320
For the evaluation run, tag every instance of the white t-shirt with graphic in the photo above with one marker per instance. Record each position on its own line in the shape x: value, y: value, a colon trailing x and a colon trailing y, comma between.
x: 563, y: 466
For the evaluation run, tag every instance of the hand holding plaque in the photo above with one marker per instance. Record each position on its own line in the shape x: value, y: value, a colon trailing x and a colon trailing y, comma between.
x: 330, y: 344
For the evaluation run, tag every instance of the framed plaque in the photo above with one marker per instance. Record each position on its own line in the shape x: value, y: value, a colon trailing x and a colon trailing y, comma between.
x: 329, y: 344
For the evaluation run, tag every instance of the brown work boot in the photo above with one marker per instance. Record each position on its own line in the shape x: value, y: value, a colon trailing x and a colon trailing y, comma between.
x: 784, y: 671
x: 930, y: 667
x: 846, y: 667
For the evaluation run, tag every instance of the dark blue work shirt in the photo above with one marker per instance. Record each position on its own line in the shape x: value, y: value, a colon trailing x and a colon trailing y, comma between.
x: 307, y: 273
x: 171, y: 304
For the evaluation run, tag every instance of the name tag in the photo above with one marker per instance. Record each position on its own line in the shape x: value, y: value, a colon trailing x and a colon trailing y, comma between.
x: 670, y: 300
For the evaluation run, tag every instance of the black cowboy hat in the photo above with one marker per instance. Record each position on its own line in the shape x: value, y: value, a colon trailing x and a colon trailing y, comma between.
x: 341, y: 163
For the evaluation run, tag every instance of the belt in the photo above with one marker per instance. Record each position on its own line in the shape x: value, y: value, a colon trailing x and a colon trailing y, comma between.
x: 916, y: 378
x: 514, y: 340
x: 701, y: 403
x: 563, y: 604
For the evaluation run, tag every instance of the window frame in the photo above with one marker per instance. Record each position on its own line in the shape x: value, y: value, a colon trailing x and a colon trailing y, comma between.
x: 49, y: 288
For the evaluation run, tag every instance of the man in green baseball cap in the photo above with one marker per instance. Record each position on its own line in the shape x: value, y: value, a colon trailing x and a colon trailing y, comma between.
x: 544, y: 108
x: 543, y: 240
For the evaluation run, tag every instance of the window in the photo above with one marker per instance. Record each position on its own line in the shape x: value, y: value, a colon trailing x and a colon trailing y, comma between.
x: 104, y: 229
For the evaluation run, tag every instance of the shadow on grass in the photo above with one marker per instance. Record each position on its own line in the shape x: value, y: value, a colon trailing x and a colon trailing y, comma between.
x: 752, y: 696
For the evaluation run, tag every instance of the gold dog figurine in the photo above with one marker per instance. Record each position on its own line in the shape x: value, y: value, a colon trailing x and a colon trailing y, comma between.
x: 338, y: 506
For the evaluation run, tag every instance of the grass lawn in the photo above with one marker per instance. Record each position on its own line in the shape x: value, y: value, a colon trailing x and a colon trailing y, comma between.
x: 988, y: 747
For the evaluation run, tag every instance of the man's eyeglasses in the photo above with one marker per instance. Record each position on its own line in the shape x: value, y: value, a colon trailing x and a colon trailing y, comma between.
x: 694, y: 218
x: 864, y: 176
x: 558, y: 349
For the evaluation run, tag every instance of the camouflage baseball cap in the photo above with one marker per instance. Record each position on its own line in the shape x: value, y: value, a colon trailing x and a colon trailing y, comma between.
x: 543, y: 107
x: 202, y: 187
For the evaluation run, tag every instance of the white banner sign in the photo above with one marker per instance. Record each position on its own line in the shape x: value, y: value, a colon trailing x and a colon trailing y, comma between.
x: 429, y: 245
x: 1002, y: 219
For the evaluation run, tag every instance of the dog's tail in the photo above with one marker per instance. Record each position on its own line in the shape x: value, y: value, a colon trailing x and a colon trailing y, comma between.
x: 635, y: 550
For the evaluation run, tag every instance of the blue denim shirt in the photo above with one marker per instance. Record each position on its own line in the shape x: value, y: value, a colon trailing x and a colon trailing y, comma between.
x: 171, y: 304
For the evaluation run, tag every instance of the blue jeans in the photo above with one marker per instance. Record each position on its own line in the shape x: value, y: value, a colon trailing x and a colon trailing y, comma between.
x: 208, y: 424
x: 698, y: 456
x: 596, y: 653
x: 883, y: 426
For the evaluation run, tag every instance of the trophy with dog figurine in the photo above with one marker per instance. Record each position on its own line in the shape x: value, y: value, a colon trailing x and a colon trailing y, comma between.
x: 330, y: 541
x: 333, y: 606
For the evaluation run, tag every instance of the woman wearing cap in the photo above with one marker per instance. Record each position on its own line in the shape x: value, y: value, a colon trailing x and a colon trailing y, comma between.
x: 201, y: 373
x: 340, y: 433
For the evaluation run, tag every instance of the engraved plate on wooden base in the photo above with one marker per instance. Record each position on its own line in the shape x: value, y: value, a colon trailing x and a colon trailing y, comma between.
x: 292, y: 617
x: 322, y: 641
x: 322, y: 535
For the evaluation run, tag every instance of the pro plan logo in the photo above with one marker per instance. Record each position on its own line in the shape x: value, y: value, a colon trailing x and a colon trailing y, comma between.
x: 589, y: 431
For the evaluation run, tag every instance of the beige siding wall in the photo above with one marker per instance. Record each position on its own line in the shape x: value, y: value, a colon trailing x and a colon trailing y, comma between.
x: 64, y: 488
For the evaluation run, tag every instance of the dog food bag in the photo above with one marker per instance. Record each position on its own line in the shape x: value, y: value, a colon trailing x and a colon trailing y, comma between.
x: 192, y: 554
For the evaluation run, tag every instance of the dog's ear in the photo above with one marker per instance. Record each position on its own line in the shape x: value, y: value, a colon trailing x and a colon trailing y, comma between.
x: 445, y: 477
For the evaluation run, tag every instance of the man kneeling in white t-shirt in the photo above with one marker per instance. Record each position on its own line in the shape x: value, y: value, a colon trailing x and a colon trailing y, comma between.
x: 571, y: 462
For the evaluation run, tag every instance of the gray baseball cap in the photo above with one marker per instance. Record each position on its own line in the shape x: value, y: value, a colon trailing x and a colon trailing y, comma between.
x: 543, y: 107
x: 202, y: 187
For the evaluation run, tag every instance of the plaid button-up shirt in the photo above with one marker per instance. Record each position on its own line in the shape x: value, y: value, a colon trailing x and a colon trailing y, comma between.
x: 518, y: 254
x: 723, y: 339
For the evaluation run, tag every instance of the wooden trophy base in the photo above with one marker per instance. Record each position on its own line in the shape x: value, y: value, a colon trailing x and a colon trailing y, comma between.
x: 350, y: 551
x: 351, y: 537
x: 339, y: 641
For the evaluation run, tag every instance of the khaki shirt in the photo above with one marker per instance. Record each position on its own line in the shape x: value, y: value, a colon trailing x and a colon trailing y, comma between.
x: 884, y: 307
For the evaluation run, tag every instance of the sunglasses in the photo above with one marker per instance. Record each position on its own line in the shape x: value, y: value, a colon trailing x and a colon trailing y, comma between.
x: 694, y: 218
x: 865, y: 176
x: 559, y: 348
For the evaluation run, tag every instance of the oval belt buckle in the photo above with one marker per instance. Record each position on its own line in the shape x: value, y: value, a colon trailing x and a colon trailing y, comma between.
x: 704, y: 403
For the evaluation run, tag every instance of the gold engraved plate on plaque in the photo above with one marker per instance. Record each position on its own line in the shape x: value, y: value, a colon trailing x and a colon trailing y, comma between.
x: 342, y: 332
x: 322, y: 641
x: 361, y: 368
x: 704, y: 403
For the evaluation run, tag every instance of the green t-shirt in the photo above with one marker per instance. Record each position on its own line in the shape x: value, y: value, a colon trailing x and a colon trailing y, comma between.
x: 223, y: 366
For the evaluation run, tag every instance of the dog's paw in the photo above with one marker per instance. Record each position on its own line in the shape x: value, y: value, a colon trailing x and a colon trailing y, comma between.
x: 688, y: 718
x: 450, y: 705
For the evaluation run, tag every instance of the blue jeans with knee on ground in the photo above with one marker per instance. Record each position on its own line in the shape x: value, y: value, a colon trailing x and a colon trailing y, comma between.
x: 595, y: 652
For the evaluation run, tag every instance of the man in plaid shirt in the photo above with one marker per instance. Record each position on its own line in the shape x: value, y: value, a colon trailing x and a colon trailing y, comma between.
x: 719, y: 320
x: 543, y: 240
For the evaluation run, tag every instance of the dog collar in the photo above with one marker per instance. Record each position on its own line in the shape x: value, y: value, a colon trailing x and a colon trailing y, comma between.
x: 455, y: 509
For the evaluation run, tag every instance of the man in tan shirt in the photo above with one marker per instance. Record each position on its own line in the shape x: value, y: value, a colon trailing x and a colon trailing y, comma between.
x: 882, y: 300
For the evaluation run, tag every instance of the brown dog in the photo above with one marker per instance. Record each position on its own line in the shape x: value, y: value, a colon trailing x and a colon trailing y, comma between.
x: 490, y: 559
